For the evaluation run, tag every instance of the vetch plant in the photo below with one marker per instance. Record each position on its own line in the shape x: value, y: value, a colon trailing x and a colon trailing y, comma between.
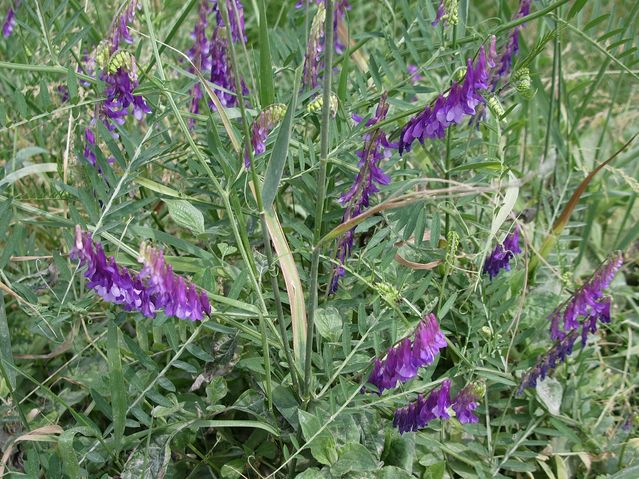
x: 283, y: 273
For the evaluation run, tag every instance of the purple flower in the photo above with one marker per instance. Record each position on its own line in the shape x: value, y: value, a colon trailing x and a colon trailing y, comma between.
x: 88, y: 68
x: 376, y: 148
x: 549, y: 361
x: 114, y: 283
x: 413, y: 71
x: 465, y: 403
x: 120, y: 27
x: 172, y: 293
x: 120, y: 84
x: 505, y: 61
x: 89, y: 146
x: 502, y: 254
x: 403, y: 360
x: 154, y: 288
x: 199, y: 54
x: 314, y: 49
x: 462, y: 100
x: 268, y: 119
x: 63, y: 93
x: 221, y: 70
x: 587, y: 302
x: 419, y: 413
x: 9, y: 22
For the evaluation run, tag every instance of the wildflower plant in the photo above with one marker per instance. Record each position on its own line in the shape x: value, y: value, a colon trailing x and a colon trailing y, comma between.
x: 318, y: 239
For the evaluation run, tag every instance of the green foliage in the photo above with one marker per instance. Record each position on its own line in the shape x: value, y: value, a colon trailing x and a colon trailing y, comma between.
x: 88, y: 389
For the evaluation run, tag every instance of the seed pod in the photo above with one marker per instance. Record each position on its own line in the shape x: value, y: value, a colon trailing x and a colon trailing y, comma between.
x: 120, y: 59
x: 495, y: 105
x: 315, y: 106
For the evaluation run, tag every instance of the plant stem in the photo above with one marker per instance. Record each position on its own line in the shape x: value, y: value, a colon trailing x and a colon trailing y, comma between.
x: 272, y: 272
x: 321, y: 184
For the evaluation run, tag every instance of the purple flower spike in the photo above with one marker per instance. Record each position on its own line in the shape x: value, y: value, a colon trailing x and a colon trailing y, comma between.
x: 465, y: 403
x: 587, y: 302
x: 376, y: 148
x: 429, y: 339
x: 314, y: 49
x: 403, y: 360
x: 419, y: 413
x: 505, y: 62
x: 502, y: 254
x: 120, y: 26
x: 548, y: 362
x: 9, y: 22
x: 89, y: 146
x: 462, y: 100
x: 114, y: 283
x: 199, y: 54
x: 173, y: 294
x: 221, y: 71
x: 268, y: 119
x: 154, y: 288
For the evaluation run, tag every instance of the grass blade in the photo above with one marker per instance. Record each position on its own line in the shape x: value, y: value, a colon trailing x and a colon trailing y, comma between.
x: 116, y: 381
x: 280, y: 149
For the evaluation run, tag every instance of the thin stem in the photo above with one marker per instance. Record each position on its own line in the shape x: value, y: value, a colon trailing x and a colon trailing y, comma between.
x: 321, y: 184
x: 272, y: 272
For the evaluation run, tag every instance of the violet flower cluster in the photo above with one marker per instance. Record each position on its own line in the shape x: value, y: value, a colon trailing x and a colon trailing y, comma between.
x: 199, y: 54
x: 403, y: 360
x: 505, y: 60
x: 462, y: 100
x: 357, y: 198
x: 587, y: 302
x: 10, y: 20
x: 155, y: 287
x: 314, y: 49
x: 502, y: 254
x: 221, y: 70
x: 419, y: 413
x: 438, y: 405
x: 119, y: 72
x: 268, y: 119
x: 549, y: 361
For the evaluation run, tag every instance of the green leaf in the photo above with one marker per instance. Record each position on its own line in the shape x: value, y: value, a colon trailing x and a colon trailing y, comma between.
x: 354, y: 458
x: 576, y: 8
x: 277, y: 159
x: 550, y: 392
x: 233, y: 469
x: 329, y: 323
x: 512, y: 192
x: 322, y: 446
x: 6, y: 355
x: 149, y: 462
x: 29, y: 170
x: 392, y: 472
x: 116, y: 382
x: 313, y: 473
x: 186, y: 215
x: 267, y: 92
